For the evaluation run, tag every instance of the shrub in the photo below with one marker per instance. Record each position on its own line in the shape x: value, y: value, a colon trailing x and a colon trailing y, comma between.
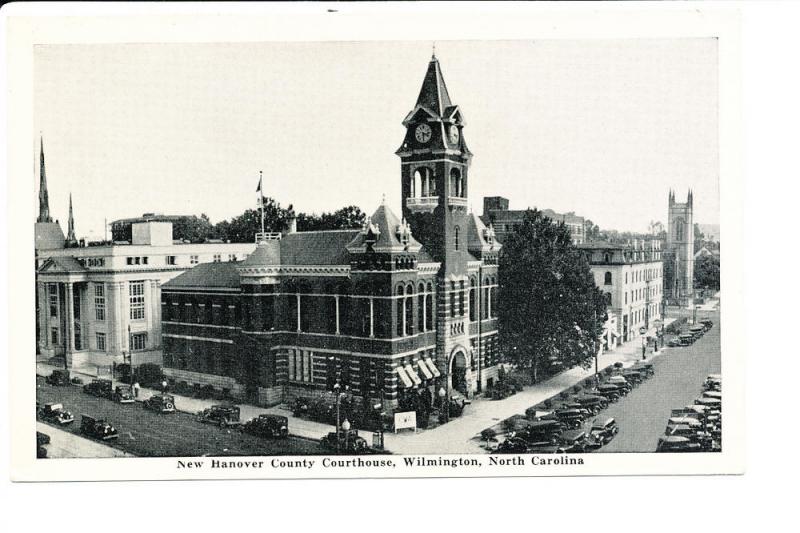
x: 488, y: 434
x: 618, y: 364
x: 76, y: 381
x: 183, y: 388
x: 205, y: 392
x: 508, y: 424
x: 548, y: 404
x: 149, y: 375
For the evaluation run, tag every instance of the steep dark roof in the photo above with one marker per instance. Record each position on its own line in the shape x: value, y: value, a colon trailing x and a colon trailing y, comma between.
x: 386, y: 223
x: 433, y: 95
x: 317, y: 247
x: 208, y: 275
x: 48, y: 236
x: 266, y: 253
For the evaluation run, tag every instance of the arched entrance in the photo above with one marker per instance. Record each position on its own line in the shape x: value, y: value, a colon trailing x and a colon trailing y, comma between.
x: 458, y: 372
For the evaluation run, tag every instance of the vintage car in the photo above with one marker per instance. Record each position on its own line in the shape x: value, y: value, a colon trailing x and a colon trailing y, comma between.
x: 697, y: 331
x: 676, y: 444
x: 675, y: 343
x: 693, y: 423
x: 42, y: 438
x: 541, y: 431
x: 604, y: 429
x: 102, y: 388
x: 711, y: 403
x: 55, y: 412
x: 220, y: 415
x: 266, y: 425
x: 686, y: 339
x: 161, y: 403
x: 97, y: 428
x: 593, y: 404
x: 620, y: 382
x: 633, y: 377
x: 609, y: 391
x: 575, y: 441
x: 512, y: 445
x: 58, y: 377
x: 713, y: 394
x: 646, y: 369
x: 344, y: 441
x: 123, y: 394
x: 703, y: 438
x: 572, y: 418
x: 323, y: 410
x: 713, y: 382
x: 708, y: 324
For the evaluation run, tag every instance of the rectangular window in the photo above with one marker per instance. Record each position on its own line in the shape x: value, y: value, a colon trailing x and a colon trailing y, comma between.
x: 217, y: 258
x: 52, y: 290
x: 99, y: 302
x: 193, y: 259
x: 54, y: 336
x: 138, y: 341
x: 231, y: 257
x: 170, y: 259
x: 101, y: 341
x: 136, y: 293
x: 144, y: 260
x: 129, y: 260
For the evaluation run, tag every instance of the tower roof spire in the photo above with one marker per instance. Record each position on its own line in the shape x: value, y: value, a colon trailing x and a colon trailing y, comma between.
x: 433, y: 95
x: 71, y: 239
x: 44, y: 201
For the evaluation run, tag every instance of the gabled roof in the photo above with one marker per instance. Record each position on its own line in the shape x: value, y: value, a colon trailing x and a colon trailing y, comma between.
x: 62, y: 265
x: 207, y: 275
x: 433, y: 95
x: 317, y: 247
x: 266, y: 253
x: 386, y: 229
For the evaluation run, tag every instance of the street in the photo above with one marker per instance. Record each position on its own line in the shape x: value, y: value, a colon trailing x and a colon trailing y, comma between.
x: 148, y: 434
x: 679, y: 374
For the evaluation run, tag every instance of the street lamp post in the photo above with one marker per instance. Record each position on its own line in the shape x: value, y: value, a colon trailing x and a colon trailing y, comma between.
x: 346, y: 431
x: 130, y: 355
x: 442, y: 395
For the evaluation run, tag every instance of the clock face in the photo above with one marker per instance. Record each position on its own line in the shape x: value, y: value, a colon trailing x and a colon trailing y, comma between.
x: 454, y: 134
x: 423, y: 133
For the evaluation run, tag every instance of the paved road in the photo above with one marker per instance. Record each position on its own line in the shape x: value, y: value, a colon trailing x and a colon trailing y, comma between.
x: 642, y: 415
x: 148, y: 434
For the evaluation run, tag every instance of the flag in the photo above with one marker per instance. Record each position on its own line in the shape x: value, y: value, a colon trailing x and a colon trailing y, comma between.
x: 259, y: 184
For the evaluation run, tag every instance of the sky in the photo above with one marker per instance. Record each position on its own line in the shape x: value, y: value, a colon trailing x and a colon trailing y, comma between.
x: 604, y: 128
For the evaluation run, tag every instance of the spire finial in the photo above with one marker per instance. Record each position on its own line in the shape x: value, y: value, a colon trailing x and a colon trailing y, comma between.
x: 383, y: 199
x: 433, y: 53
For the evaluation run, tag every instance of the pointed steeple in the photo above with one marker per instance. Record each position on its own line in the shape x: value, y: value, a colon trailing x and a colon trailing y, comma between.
x: 71, y: 239
x: 44, y: 202
x: 433, y: 95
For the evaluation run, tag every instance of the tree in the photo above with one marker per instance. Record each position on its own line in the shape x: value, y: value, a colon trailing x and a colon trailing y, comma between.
x: 244, y: 227
x: 193, y: 229
x: 592, y: 231
x: 706, y: 272
x: 350, y: 217
x: 550, y: 311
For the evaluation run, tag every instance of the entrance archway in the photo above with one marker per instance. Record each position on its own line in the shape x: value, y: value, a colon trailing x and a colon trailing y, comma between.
x: 458, y: 372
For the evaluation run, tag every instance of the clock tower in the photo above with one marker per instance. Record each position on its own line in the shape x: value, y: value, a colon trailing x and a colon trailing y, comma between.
x: 434, y: 161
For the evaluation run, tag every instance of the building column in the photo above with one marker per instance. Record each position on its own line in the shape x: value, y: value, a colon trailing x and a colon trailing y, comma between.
x: 123, y: 318
x: 336, y: 298
x: 424, y: 311
x: 371, y: 318
x: 298, y: 312
x: 69, y: 324
x: 154, y: 322
x: 44, y: 315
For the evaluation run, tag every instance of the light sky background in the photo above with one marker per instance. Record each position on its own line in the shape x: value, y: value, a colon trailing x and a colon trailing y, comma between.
x: 600, y: 127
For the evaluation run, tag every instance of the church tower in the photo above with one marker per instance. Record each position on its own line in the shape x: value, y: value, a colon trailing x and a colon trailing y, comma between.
x: 434, y: 161
x: 680, y: 245
x: 71, y: 239
x: 44, y: 201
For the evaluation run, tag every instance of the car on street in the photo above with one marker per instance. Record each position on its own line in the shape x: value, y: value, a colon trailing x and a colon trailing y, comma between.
x: 123, y: 394
x: 604, y: 429
x: 344, y: 441
x: 676, y: 444
x: 594, y: 404
x: 708, y: 324
x: 713, y: 394
x: 541, y: 431
x: 512, y: 445
x: 633, y: 377
x: 220, y: 415
x: 267, y: 425
x: 644, y: 368
x: 98, y: 428
x: 55, y: 412
x: 572, y: 418
x: 102, y: 388
x: 686, y: 339
x: 300, y: 406
x: 675, y: 343
x: 713, y: 382
x: 58, y: 377
x: 574, y: 441
x: 160, y: 403
x: 609, y: 391
x: 620, y: 382
x: 711, y: 403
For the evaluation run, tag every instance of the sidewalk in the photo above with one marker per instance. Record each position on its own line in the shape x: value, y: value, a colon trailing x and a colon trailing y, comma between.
x: 64, y: 444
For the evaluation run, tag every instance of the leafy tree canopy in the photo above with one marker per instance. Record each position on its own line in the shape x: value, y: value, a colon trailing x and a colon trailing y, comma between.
x: 706, y: 272
x: 550, y: 311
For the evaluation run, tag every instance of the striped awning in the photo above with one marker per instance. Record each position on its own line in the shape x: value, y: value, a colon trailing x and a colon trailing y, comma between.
x: 404, y: 377
x: 432, y: 366
x: 424, y: 368
x: 413, y: 374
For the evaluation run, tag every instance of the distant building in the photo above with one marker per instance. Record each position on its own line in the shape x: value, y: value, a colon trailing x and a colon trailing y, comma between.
x: 679, y: 252
x: 631, y: 277
x: 710, y: 232
x: 96, y: 303
x: 655, y: 228
x: 503, y: 220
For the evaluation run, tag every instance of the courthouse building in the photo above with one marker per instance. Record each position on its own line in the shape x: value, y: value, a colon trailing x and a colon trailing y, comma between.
x: 404, y: 306
x: 631, y: 277
x: 96, y: 303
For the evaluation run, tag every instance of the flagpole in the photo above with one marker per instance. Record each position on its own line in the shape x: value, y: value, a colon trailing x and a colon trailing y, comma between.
x: 261, y: 192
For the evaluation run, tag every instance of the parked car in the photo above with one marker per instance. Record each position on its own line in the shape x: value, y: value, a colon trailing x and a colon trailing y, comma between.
x: 604, y: 429
x: 161, y: 403
x: 572, y: 418
x: 694, y: 434
x: 55, y: 412
x: 58, y: 377
x: 708, y: 324
x: 593, y: 403
x: 693, y: 423
x: 541, y: 431
x: 220, y: 415
x: 644, y: 368
x: 102, y: 388
x: 512, y: 445
x: 676, y: 444
x: 713, y: 382
x: 713, y: 394
x: 711, y: 403
x: 675, y: 343
x: 344, y: 441
x: 686, y: 339
x: 42, y: 438
x: 633, y: 377
x: 620, y: 382
x: 97, y: 428
x: 123, y: 394
x: 267, y: 425
x: 575, y: 441
x: 609, y: 391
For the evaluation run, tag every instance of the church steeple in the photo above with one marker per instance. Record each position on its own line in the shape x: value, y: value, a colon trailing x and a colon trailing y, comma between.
x: 44, y: 202
x: 71, y: 239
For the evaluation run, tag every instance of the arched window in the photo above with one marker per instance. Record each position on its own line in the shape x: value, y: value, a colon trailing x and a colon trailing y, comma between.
x: 401, y: 311
x: 423, y: 184
x: 607, y: 258
x: 409, y: 305
x: 493, y: 299
x: 607, y: 280
x: 679, y: 230
x: 473, y: 310
x: 421, y: 296
x: 456, y: 183
x: 429, y: 307
x: 456, y: 237
x: 461, y: 310
x: 452, y: 299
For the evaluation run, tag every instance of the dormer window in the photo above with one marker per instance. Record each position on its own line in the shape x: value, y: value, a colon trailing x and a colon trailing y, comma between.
x: 404, y: 233
x: 370, y: 232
